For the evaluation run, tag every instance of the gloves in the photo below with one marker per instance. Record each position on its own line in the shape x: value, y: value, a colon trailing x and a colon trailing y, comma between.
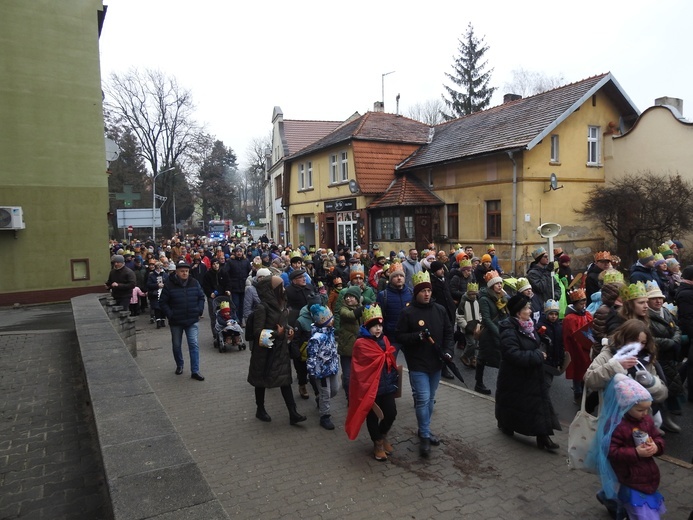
x: 358, y: 311
x: 424, y: 335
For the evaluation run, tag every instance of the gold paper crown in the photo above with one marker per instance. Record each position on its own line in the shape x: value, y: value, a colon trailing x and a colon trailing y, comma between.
x: 420, y: 277
x: 633, y: 291
x: 522, y: 284
x: 372, y: 312
x: 224, y: 305
x: 577, y: 295
x: 395, y: 266
x: 602, y: 255
x: 472, y: 287
x: 658, y: 256
x: 458, y: 246
x: 490, y: 247
x: 613, y: 276
x: 665, y: 249
x: 465, y: 263
x: 644, y: 253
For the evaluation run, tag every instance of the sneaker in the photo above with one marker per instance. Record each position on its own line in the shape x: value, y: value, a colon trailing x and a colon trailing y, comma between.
x: 326, y: 423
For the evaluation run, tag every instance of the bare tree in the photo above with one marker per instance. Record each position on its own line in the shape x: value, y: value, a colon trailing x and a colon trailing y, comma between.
x: 428, y: 112
x: 642, y: 210
x: 528, y: 82
x: 159, y: 113
x: 254, y: 179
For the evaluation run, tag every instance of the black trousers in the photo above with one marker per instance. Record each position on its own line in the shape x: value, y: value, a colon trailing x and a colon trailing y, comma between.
x: 377, y: 429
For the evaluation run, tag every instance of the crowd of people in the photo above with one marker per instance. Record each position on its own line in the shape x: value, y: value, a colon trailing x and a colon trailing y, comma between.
x: 324, y: 312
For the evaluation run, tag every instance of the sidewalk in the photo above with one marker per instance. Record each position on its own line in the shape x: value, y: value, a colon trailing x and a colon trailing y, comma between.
x: 274, y: 470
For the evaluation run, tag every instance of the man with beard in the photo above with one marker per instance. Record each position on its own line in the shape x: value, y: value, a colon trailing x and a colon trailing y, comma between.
x: 411, y: 266
x: 392, y: 301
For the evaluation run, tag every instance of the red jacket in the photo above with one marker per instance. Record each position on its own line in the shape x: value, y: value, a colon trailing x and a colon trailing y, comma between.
x: 638, y: 473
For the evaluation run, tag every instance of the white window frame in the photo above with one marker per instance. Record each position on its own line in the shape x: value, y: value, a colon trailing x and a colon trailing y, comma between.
x: 555, y: 150
x: 333, y: 169
x: 309, y: 175
x: 301, y: 176
x: 593, y: 146
x: 344, y: 166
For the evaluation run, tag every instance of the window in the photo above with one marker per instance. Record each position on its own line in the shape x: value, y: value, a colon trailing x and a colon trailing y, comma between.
x: 393, y: 224
x: 279, y: 186
x: 554, y: 149
x: 309, y: 176
x: 409, y: 227
x: 301, y: 176
x: 593, y: 152
x: 80, y: 269
x: 344, y: 167
x: 333, y: 169
x: 453, y: 220
x: 493, y: 219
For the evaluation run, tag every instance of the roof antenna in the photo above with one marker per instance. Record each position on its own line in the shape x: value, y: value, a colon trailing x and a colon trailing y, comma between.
x: 397, y: 98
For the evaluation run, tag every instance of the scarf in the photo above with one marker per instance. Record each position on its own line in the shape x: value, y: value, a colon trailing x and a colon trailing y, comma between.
x: 527, y: 327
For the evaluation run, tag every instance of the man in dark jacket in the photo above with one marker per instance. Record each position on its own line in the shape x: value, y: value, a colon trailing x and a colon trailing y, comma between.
x: 215, y: 282
x: 392, y: 300
x: 427, y: 338
x: 643, y: 270
x: 602, y: 262
x: 541, y: 278
x: 684, y: 302
x: 183, y: 302
x: 238, y: 267
x: 121, y: 281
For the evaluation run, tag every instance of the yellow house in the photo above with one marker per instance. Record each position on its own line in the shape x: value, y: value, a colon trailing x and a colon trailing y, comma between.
x: 331, y: 182
x: 503, y: 172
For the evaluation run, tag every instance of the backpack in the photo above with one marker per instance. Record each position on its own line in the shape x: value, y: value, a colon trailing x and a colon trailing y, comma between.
x: 250, y: 325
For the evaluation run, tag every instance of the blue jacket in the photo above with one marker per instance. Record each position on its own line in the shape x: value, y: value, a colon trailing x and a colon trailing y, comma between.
x: 640, y: 273
x: 391, y: 302
x: 182, y: 304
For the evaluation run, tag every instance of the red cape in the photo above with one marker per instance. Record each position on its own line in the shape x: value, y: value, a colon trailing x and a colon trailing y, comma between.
x: 367, y: 364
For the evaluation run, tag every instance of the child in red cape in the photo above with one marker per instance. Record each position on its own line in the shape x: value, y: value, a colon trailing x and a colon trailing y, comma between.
x: 373, y: 385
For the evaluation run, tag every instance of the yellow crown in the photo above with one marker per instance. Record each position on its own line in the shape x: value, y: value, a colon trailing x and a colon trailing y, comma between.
x: 472, y: 287
x: 372, y: 312
x: 633, y: 291
x: 522, y: 284
x: 224, y: 305
x: 420, y: 277
x: 665, y: 249
x: 658, y: 256
x: 613, y: 276
x: 465, y: 263
x: 644, y: 253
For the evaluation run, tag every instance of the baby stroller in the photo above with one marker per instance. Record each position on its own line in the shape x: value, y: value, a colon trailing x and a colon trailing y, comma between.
x: 228, y: 331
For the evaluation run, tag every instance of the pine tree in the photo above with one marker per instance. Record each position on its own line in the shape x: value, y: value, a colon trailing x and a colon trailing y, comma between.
x: 469, y: 73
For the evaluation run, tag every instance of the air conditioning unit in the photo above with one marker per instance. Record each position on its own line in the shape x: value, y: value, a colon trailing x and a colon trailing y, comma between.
x: 11, y: 217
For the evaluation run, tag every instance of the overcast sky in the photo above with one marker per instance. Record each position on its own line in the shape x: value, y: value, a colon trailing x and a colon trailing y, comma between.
x: 324, y: 60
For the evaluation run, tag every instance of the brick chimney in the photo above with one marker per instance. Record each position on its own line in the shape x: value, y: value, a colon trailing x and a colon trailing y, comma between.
x: 671, y: 101
x: 378, y: 106
x: 507, y: 98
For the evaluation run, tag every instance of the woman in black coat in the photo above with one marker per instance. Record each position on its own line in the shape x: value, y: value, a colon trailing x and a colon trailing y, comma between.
x: 270, y: 367
x: 493, y: 308
x: 523, y: 404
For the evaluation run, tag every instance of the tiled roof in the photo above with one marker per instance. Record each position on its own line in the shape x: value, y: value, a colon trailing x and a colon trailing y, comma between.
x: 373, y: 126
x: 299, y: 134
x: 407, y: 190
x: 375, y: 163
x: 516, y: 124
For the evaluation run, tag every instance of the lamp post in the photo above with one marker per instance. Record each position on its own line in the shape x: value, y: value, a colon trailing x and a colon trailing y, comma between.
x: 383, y: 86
x: 154, y: 202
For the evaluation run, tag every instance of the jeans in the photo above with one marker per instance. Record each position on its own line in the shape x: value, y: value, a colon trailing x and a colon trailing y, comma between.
x: 424, y: 386
x: 191, y: 332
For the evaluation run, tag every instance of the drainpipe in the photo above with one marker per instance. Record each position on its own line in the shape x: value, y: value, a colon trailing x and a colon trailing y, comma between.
x: 513, y: 247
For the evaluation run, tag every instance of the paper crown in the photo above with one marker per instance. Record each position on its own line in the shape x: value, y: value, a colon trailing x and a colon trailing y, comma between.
x: 472, y: 287
x: 669, y: 243
x: 658, y: 257
x: 613, y: 276
x: 266, y: 340
x: 538, y: 252
x: 644, y: 253
x: 602, y: 255
x: 490, y: 248
x: 653, y: 290
x: 395, y: 267
x: 673, y: 309
x: 420, y: 277
x: 354, y: 270
x: 551, y: 306
x: 492, y: 278
x: 321, y: 315
x: 224, y: 305
x: 633, y: 291
x: 522, y: 284
x: 576, y: 295
x: 465, y: 263
x: 372, y: 313
x: 665, y: 249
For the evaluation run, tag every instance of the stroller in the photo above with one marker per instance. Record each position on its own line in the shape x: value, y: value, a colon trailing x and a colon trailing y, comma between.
x: 228, y: 331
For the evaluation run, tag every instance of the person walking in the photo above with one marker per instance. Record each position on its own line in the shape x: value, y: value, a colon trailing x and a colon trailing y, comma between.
x: 121, y: 281
x: 183, y: 302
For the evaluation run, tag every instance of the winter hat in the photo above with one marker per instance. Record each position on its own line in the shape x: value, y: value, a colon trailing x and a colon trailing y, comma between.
x: 118, y: 258
x: 563, y: 259
x: 276, y: 281
x: 492, y: 278
x: 522, y: 285
x: 610, y: 292
x: 182, y: 265
x: 421, y: 281
x: 354, y: 291
x: 263, y: 272
x: 687, y: 273
x: 653, y: 290
x: 372, y: 314
x: 629, y: 392
x: 296, y: 273
x: 486, y: 258
x: 538, y: 253
x: 518, y: 302
x: 321, y: 315
x: 426, y: 262
x: 435, y: 266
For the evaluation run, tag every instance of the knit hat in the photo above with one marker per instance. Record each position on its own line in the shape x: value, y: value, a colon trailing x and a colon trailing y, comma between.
x: 337, y: 281
x: 371, y: 314
x: 486, y: 258
x: 551, y: 306
x: 118, y: 258
x: 263, y: 272
x: 460, y: 257
x: 421, y: 281
x: 576, y: 295
x: 426, y: 262
x: 518, y: 302
x: 492, y: 278
x: 355, y: 270
x: 321, y: 315
x: 435, y: 266
x: 538, y: 253
x: 522, y: 285
x: 354, y: 291
x: 653, y: 290
x: 610, y: 292
x: 629, y: 392
x: 563, y: 259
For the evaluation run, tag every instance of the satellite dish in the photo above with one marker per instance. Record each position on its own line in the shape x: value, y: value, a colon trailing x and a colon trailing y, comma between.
x: 554, y: 181
x: 112, y: 150
x: 549, y: 230
x: 353, y: 186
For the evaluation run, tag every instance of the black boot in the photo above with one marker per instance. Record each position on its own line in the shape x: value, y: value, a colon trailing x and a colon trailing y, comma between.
x: 262, y: 414
x: 294, y: 416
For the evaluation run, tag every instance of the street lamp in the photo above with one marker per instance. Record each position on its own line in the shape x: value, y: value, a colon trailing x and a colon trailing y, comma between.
x: 383, y: 86
x: 154, y: 202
